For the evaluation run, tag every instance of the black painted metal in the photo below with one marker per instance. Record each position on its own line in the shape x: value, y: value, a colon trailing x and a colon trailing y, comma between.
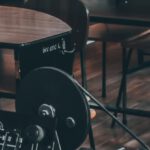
x: 104, y: 69
x: 128, y: 111
x: 57, y: 52
x: 15, y: 125
x: 51, y: 86
x: 103, y: 108
x: 91, y: 137
x: 123, y: 21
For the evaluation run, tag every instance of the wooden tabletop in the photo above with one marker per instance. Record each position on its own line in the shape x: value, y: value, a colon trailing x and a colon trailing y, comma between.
x: 134, y: 12
x: 20, y: 26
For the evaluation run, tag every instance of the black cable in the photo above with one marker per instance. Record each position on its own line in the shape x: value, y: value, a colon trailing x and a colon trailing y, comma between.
x: 112, y: 116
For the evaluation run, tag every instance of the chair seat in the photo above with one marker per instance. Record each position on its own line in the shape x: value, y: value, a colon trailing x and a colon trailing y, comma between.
x: 113, y: 32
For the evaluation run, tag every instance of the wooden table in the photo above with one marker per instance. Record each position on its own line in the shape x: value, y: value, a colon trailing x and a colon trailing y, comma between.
x: 20, y: 26
x: 135, y: 12
x: 38, y: 39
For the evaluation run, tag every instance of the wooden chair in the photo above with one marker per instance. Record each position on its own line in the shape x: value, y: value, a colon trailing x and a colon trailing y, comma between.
x: 138, y: 42
x: 110, y: 33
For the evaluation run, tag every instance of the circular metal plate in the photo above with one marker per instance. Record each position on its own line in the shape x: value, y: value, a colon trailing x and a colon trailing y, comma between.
x: 51, y: 86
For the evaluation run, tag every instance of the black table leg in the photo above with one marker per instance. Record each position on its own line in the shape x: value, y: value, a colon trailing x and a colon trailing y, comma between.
x: 122, y: 95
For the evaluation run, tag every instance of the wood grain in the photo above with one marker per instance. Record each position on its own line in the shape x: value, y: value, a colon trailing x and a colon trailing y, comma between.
x: 18, y: 25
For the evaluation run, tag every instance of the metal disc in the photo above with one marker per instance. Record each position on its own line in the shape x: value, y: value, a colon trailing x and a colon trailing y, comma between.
x: 48, y: 85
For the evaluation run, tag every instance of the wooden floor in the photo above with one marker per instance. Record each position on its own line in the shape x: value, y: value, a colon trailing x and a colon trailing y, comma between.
x: 105, y: 137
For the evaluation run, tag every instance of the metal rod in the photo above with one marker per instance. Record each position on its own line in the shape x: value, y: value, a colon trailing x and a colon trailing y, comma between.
x: 128, y: 111
x: 102, y: 107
